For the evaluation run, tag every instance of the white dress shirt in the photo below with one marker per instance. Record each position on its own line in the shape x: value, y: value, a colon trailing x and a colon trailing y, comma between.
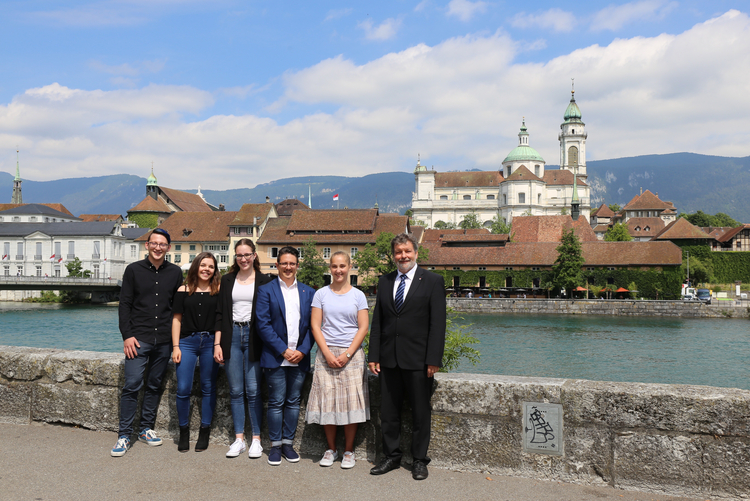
x: 292, y: 307
x: 409, y: 279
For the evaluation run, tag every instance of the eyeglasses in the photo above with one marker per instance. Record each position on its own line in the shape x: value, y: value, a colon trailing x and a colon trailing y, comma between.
x: 247, y: 257
x: 288, y: 265
x: 154, y: 245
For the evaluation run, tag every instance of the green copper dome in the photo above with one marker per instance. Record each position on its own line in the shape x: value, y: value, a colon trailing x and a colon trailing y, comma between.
x: 572, y: 112
x: 151, y: 179
x: 523, y: 154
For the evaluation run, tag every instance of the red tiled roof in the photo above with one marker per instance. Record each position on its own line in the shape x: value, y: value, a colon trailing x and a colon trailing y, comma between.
x: 601, y: 228
x: 148, y: 204
x: 435, y: 235
x: 654, y: 225
x: 188, y: 202
x: 417, y: 232
x: 604, y: 211
x: 522, y: 174
x: 476, y: 238
x: 197, y: 226
x: 88, y: 218
x: 333, y: 220
x: 545, y: 253
x: 458, y: 179
x: 286, y: 207
x: 647, y: 201
x: 731, y: 233
x: 560, y: 177
x: 278, y: 230
x: 248, y: 212
x: 549, y: 228
x: 681, y: 229
x: 57, y: 207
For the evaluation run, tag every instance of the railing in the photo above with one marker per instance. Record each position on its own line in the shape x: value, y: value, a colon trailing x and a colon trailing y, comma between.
x: 4, y: 279
x: 96, y: 256
x: 37, y: 257
x: 70, y: 257
x: 19, y: 257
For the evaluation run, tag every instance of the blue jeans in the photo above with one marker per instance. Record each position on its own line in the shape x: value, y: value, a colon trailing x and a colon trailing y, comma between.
x: 243, y: 377
x: 284, y: 389
x: 150, y: 365
x: 197, y: 346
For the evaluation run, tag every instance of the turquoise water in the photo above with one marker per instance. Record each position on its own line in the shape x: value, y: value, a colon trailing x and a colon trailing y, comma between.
x: 713, y: 352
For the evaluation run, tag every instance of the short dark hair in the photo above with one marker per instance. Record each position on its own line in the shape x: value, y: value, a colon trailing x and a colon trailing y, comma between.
x: 402, y: 239
x: 162, y: 232
x: 287, y: 250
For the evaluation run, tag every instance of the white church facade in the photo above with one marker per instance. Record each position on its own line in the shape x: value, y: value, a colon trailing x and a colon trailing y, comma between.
x: 522, y: 186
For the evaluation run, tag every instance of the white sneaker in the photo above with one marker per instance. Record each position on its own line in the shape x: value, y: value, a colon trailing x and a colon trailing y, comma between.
x: 348, y: 460
x: 256, y: 450
x: 237, y: 448
x: 329, y: 457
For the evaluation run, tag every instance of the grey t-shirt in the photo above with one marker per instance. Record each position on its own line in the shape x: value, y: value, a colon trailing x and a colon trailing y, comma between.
x: 339, y: 314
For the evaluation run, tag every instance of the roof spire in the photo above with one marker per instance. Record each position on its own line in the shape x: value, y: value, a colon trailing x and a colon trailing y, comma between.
x: 17, y: 197
x: 18, y: 170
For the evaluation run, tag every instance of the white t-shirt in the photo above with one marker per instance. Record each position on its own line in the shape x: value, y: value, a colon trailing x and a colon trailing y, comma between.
x: 242, y: 301
x: 339, y: 325
x: 293, y: 316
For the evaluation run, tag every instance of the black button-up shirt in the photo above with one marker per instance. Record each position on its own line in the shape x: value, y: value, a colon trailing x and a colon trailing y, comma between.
x: 146, y: 301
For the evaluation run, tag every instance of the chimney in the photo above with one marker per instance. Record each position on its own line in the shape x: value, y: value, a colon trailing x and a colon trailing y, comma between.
x: 268, y: 200
x: 255, y: 221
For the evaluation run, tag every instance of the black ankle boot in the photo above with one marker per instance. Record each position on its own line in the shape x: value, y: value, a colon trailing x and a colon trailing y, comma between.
x: 202, y: 443
x: 184, y: 443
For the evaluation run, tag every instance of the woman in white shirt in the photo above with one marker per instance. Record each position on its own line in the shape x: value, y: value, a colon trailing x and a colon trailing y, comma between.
x: 339, y: 394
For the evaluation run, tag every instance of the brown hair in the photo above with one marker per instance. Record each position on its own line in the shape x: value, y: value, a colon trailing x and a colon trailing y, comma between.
x: 256, y: 262
x: 191, y: 282
x: 401, y: 240
x: 341, y: 253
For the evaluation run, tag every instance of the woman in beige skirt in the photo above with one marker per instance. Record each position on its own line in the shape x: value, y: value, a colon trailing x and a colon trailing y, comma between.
x: 339, y: 395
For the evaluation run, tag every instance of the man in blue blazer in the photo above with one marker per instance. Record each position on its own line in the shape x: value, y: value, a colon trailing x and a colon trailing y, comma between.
x: 282, y: 317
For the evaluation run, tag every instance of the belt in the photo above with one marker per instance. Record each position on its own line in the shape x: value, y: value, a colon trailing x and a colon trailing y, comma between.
x: 247, y: 322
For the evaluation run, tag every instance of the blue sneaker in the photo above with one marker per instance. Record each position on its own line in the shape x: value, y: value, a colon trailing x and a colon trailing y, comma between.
x: 121, y: 447
x: 149, y: 436
x: 289, y: 453
x: 274, y: 456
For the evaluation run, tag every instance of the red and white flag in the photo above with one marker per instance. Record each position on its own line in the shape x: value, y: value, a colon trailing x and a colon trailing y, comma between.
x: 336, y: 197
x: 59, y: 259
x: 5, y: 256
x: 52, y: 257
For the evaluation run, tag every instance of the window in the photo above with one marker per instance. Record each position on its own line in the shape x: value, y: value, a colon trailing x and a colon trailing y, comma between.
x: 539, y: 199
x: 134, y: 250
x: 490, y: 197
x: 647, y: 228
x: 456, y: 267
x: 273, y: 252
x: 6, y: 270
x: 178, y: 247
x: 430, y: 267
x: 6, y: 250
x: 353, y: 280
x: 637, y: 228
x: 572, y: 155
x: 467, y: 197
x: 535, y: 268
x: 192, y: 256
x: 443, y: 197
x: 32, y: 219
x: 168, y: 258
x: 97, y: 250
x: 95, y: 270
x: 178, y: 258
x: 16, y: 219
x: 19, y: 250
x: 482, y: 268
x: 353, y: 251
x: 236, y: 230
x: 272, y: 266
x: 38, y: 271
x: 507, y: 171
x: 522, y: 198
x: 38, y: 253
x: 326, y: 252
x: 536, y: 170
x: 57, y: 271
x: 611, y: 268
x: 299, y: 250
x: 589, y: 268
x: 71, y: 249
x: 223, y: 258
x: 508, y: 268
x: 192, y: 247
x: 505, y: 199
x: 20, y: 270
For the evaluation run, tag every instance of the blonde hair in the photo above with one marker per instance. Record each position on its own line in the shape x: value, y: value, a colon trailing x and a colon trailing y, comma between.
x: 341, y: 253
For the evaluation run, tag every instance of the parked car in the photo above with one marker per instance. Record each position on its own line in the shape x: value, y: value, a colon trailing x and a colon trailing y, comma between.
x: 703, y: 295
x: 689, y: 297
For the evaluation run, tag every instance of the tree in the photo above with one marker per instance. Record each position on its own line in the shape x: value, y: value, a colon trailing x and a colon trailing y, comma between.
x: 413, y: 222
x: 499, y: 226
x: 615, y: 208
x: 470, y: 221
x: 564, y: 211
x: 376, y: 260
x: 618, y: 232
x: 312, y: 267
x: 702, y: 219
x: 458, y: 343
x: 633, y: 290
x: 566, y: 271
x: 75, y: 269
x: 442, y: 225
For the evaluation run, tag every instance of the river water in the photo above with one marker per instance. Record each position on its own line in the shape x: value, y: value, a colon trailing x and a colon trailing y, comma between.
x: 712, y: 352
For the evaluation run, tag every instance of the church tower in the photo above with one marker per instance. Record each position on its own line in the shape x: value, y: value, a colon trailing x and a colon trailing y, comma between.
x: 573, y: 140
x: 17, y: 196
x: 152, y: 188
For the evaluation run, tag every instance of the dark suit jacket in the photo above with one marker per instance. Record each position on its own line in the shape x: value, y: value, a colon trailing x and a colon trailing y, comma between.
x: 414, y: 337
x: 271, y: 324
x: 224, y: 316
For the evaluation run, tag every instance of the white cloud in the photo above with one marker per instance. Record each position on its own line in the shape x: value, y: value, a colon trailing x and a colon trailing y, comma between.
x: 384, y: 31
x: 465, y: 9
x: 459, y: 103
x: 555, y: 19
x: 421, y: 5
x: 337, y: 14
x: 126, y: 74
x: 614, y: 17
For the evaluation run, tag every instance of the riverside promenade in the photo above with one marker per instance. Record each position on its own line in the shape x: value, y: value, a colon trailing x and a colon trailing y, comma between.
x: 42, y: 461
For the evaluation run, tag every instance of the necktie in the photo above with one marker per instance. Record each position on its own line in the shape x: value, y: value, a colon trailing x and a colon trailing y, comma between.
x: 400, y: 293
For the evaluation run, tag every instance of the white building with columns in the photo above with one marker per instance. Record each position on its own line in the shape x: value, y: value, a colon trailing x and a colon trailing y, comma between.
x: 522, y: 186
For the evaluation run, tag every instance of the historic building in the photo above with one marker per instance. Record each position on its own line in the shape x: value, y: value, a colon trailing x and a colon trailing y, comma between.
x: 522, y: 186
x: 645, y: 216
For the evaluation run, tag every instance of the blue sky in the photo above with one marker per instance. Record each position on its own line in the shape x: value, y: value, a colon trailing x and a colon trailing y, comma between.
x: 230, y: 94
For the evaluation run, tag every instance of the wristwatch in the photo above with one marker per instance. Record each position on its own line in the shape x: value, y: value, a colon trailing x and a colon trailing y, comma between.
x: 348, y: 355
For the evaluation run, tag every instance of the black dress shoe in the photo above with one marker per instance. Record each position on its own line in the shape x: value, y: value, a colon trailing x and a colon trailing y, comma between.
x: 419, y: 470
x: 385, y: 465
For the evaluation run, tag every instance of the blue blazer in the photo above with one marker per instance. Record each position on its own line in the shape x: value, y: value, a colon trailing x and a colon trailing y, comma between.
x: 270, y: 322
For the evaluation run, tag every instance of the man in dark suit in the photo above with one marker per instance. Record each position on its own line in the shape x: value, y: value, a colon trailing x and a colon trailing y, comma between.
x: 407, y: 340
x: 283, y: 322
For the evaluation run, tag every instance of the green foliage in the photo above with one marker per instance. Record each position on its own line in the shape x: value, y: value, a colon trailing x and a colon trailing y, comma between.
x: 618, y: 232
x: 312, y: 267
x: 729, y: 267
x: 615, y: 208
x: 563, y: 212
x: 700, y: 218
x: 470, y: 221
x: 442, y: 225
x: 632, y: 287
x: 458, y: 344
x: 701, y: 270
x: 46, y: 297
x: 499, y: 226
x: 595, y: 290
x: 375, y: 260
x: 567, y: 267
x: 75, y: 269
x: 144, y: 219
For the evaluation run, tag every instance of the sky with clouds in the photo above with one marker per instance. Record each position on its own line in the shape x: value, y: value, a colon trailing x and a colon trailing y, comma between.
x: 230, y: 94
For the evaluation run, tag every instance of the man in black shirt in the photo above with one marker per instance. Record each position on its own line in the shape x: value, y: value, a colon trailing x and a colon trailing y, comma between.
x: 148, y: 288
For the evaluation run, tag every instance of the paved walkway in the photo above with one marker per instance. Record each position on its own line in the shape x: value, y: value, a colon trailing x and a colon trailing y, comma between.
x: 46, y: 462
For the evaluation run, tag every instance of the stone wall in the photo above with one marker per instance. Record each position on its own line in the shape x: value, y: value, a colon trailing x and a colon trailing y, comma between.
x: 629, y: 307
x: 671, y: 439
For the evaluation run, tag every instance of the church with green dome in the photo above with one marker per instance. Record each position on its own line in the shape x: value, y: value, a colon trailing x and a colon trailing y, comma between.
x: 520, y: 186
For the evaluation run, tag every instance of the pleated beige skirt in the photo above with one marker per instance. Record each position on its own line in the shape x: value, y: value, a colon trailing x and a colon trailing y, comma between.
x: 339, y: 396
